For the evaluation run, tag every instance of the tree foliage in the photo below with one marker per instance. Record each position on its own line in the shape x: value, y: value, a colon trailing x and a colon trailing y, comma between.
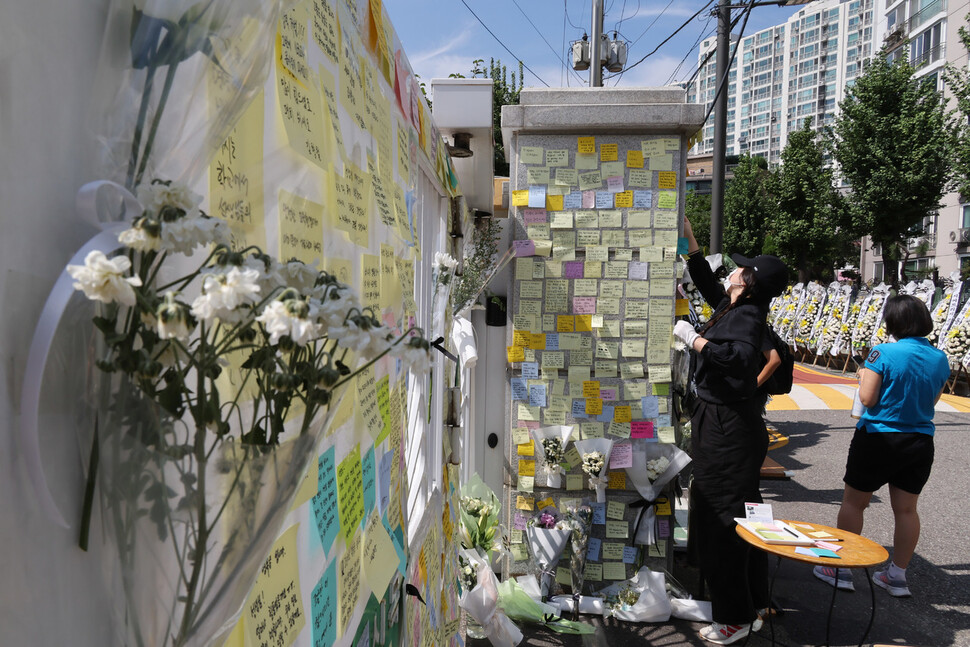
x: 893, y: 146
x: 505, y: 92
x: 958, y: 81
x: 748, y: 206
x: 697, y: 208
x: 809, y: 229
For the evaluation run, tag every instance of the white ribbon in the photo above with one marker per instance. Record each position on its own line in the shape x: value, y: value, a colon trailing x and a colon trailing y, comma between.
x: 106, y: 241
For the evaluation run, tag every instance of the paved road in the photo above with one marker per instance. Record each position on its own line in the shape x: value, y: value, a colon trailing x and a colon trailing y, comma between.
x: 938, y: 614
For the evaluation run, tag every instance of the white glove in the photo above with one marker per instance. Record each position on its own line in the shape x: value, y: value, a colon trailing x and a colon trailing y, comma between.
x: 686, y: 333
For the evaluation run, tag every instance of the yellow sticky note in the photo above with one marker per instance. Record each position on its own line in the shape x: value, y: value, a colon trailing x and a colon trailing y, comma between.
x: 520, y: 198
x: 617, y: 480
x: 609, y: 152
x: 667, y: 180
x: 525, y: 449
x: 525, y: 483
x: 515, y: 353
x: 523, y: 502
x: 634, y: 159
x: 662, y: 506
x: 594, y: 406
x: 379, y: 559
x: 539, y: 341
x: 545, y: 503
x: 617, y: 529
x: 591, y: 389
x: 279, y: 577
x: 554, y: 202
x: 666, y: 435
x: 348, y: 583
x: 584, y: 323
x: 565, y: 323
x: 574, y: 481
x: 350, y: 493
x: 622, y: 413
x: 586, y: 145
x: 614, y: 571
x: 527, y: 468
x: 301, y: 108
x: 681, y: 307
x: 615, y: 509
x: 308, y: 486
x: 623, y: 199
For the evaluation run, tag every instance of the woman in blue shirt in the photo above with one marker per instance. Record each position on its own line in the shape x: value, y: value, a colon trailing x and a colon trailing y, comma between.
x: 893, y: 443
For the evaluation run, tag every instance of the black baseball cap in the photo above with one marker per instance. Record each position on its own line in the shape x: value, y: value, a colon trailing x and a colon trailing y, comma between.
x: 771, y: 274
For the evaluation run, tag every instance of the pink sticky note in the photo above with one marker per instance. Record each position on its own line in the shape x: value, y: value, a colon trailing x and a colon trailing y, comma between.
x: 573, y: 269
x: 663, y: 528
x: 524, y: 247
x: 621, y: 456
x: 533, y: 216
x: 614, y: 184
x: 519, y: 521
x: 531, y: 424
x: 641, y: 429
x: 589, y: 199
x: 608, y: 394
x: 584, y: 305
x: 829, y: 545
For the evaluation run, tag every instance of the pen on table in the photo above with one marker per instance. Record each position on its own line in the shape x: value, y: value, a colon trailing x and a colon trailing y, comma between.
x: 789, y: 531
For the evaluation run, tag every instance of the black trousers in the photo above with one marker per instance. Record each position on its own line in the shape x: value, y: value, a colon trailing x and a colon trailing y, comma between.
x: 730, y: 442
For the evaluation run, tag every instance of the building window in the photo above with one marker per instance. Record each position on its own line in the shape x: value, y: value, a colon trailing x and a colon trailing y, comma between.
x: 877, y: 272
x: 965, y: 216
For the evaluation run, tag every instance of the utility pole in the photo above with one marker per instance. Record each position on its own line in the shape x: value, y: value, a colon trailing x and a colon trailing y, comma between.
x: 720, y: 123
x: 595, y: 42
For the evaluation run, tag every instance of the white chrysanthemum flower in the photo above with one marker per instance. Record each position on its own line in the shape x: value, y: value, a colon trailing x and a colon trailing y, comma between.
x: 174, y: 320
x: 193, y: 230
x: 103, y: 279
x: 153, y: 197
x: 415, y: 352
x: 445, y: 260
x: 143, y: 236
x: 335, y: 306
x: 223, y: 292
x: 301, y: 276
x: 362, y: 337
x: 271, y: 273
x: 289, y: 318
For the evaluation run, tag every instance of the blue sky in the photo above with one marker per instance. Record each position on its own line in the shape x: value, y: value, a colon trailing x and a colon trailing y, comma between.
x: 442, y: 36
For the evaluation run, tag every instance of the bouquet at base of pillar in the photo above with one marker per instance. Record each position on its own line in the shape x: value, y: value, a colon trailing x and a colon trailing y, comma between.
x: 551, y: 443
x: 481, y: 600
x: 642, y: 598
x: 596, y: 458
x: 547, y: 535
x: 479, y: 513
x: 519, y: 599
x: 578, y: 519
x: 654, y: 465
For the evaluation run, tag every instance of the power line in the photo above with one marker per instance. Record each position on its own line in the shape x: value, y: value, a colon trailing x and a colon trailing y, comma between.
x: 662, y: 43
x: 503, y: 44
x: 727, y: 71
x: 653, y: 22
x: 710, y: 54
x: 704, y: 34
x: 559, y: 58
x: 565, y: 11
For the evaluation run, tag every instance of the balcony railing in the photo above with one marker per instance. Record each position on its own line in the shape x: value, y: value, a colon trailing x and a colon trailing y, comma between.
x: 927, y: 12
x: 929, y: 56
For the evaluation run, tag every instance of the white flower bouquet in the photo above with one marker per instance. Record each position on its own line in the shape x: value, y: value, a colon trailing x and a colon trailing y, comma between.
x: 579, y: 520
x: 595, y: 453
x: 481, y: 603
x: 642, y: 598
x: 478, y: 515
x: 551, y: 443
x: 219, y: 384
x: 547, y: 535
x: 654, y: 465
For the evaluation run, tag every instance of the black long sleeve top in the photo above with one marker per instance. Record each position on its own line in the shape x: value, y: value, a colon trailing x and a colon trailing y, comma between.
x: 726, y: 369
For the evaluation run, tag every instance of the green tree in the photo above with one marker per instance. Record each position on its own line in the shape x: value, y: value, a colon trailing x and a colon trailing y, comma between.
x: 505, y: 93
x: 748, y: 205
x: 808, y: 232
x: 893, y: 146
x: 958, y: 81
x: 697, y: 208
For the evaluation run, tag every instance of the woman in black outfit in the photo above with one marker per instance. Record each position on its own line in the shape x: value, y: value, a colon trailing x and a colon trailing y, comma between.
x: 728, y: 434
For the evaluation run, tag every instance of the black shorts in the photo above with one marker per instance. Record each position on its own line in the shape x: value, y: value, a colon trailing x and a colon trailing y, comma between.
x: 903, y: 460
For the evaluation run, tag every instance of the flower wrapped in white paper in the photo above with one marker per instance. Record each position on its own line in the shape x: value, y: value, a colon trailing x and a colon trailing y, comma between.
x: 551, y: 444
x: 481, y: 603
x: 642, y: 598
x: 596, y: 457
x: 547, y: 537
x: 654, y: 465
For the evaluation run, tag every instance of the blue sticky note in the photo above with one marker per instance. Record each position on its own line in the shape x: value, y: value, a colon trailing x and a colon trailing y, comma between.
x: 599, y: 513
x: 384, y: 480
x: 650, y: 404
x: 530, y: 370
x: 397, y: 538
x: 324, y: 502
x: 593, y: 549
x: 663, y: 420
x: 552, y: 341
x: 607, y: 415
x: 629, y: 554
x: 573, y: 200
x: 681, y: 245
x: 537, y: 395
x: 579, y: 409
x: 368, y: 474
x: 825, y: 552
x: 642, y: 199
x: 323, y: 606
x: 604, y: 200
x: 520, y: 390
x: 537, y: 196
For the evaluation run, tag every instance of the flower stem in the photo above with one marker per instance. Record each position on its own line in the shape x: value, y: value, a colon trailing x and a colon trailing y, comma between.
x: 156, y: 118
x: 146, y: 95
x: 89, y: 490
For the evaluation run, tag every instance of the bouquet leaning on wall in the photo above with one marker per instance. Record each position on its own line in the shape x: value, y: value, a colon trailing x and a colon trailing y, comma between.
x: 220, y: 367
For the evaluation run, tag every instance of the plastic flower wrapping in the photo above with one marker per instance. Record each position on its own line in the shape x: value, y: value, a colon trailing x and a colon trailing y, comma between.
x: 642, y: 598
x: 520, y: 600
x: 551, y: 443
x: 654, y: 466
x: 577, y: 518
x: 595, y: 453
x: 479, y: 515
x: 481, y: 603
x: 547, y: 533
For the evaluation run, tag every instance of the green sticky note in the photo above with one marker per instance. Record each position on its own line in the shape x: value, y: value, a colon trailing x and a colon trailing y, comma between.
x: 615, y: 510
x: 574, y: 481
x: 661, y: 389
x: 593, y: 572
x: 614, y: 571
x: 612, y: 551
x: 563, y: 576
x: 350, y: 493
x: 617, y: 529
x: 519, y: 552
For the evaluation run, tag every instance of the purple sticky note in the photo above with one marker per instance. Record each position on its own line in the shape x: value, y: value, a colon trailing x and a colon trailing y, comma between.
x: 584, y: 305
x: 614, y: 184
x: 524, y: 247
x: 589, y: 199
x: 621, y: 456
x: 605, y: 394
x: 533, y: 216
x: 573, y: 269
x: 519, y: 521
x: 663, y: 528
x: 641, y: 429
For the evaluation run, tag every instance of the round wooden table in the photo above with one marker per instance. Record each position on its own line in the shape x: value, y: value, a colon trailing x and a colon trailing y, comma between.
x: 856, y: 552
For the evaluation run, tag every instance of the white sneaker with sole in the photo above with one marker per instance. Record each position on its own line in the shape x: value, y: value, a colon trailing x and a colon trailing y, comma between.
x: 724, y: 634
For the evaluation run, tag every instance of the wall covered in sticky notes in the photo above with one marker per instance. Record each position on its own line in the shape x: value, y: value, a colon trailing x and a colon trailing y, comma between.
x: 337, y: 163
x: 596, y: 344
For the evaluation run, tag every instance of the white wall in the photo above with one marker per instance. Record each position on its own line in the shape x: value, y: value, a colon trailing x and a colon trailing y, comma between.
x: 50, y: 591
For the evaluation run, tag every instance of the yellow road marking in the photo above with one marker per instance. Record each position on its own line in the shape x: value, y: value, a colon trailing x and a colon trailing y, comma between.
x: 782, y: 403
x: 833, y: 398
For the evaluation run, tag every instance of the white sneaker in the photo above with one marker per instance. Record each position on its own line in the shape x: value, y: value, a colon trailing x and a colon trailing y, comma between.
x: 724, y: 634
